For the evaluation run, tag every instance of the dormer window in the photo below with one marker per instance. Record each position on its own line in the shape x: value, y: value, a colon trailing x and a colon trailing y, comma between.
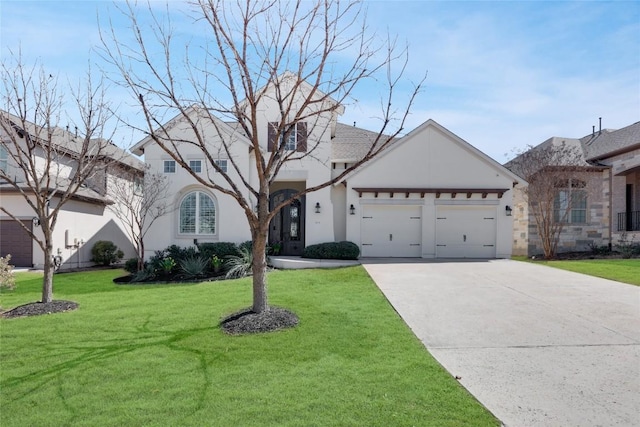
x: 292, y: 139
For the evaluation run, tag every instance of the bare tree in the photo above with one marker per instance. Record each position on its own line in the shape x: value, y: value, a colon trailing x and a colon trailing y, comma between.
x: 47, y: 165
x: 558, y: 178
x: 138, y: 203
x: 291, y: 52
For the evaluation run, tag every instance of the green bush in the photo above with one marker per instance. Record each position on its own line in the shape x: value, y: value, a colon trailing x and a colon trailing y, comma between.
x: 332, y: 250
x: 104, y: 252
x: 219, y: 249
x: 248, y: 245
x: 7, y: 280
x: 131, y: 265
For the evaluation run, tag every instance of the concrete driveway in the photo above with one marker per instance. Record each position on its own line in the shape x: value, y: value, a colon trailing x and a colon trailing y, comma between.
x: 536, y: 345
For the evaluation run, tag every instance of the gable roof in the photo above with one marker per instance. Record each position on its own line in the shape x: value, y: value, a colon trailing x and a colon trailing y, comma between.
x: 230, y: 127
x: 70, y: 143
x: 608, y: 142
x: 351, y: 143
x: 288, y: 75
x: 453, y: 137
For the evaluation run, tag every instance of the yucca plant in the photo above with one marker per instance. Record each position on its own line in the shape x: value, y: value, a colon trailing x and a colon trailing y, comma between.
x: 194, y: 266
x: 239, y: 265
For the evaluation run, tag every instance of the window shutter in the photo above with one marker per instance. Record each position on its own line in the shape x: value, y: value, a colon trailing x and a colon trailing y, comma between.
x: 271, y: 137
x: 302, y: 137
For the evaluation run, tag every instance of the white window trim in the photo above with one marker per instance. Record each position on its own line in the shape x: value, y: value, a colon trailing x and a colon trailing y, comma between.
x: 225, y: 169
x: 293, y: 135
x: 197, y: 232
x: 164, y: 168
x: 200, y: 165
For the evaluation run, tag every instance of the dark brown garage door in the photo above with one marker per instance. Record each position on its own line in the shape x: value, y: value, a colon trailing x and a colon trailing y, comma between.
x: 16, y: 241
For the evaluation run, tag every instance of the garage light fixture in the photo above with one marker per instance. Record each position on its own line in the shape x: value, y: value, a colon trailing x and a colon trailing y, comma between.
x: 352, y: 210
x: 317, y: 207
x: 36, y: 221
x: 508, y: 210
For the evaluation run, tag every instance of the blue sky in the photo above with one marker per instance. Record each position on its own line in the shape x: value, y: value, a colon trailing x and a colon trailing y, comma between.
x: 501, y: 75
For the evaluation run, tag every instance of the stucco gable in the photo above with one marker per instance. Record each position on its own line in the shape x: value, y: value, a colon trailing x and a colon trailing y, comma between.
x: 432, y: 156
x: 175, y: 122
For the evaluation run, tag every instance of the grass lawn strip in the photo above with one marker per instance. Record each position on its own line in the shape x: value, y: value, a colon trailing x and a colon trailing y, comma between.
x: 154, y: 355
x: 621, y: 270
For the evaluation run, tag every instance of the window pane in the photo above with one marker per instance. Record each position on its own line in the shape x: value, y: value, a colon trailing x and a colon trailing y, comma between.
x: 578, y: 216
x: 188, y: 214
x: 207, y: 217
x: 169, y: 166
x: 223, y: 164
x: 195, y: 165
x: 4, y: 155
x: 578, y: 199
x: 560, y: 205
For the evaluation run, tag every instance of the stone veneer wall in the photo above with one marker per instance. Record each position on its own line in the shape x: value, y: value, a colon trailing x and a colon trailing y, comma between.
x: 520, y: 214
x: 574, y: 237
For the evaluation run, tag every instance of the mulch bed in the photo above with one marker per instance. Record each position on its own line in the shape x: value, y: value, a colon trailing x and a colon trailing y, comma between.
x: 248, y: 322
x: 575, y: 256
x: 39, y: 308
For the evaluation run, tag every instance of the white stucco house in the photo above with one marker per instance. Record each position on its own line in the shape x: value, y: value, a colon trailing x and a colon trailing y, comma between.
x: 82, y: 220
x: 429, y: 195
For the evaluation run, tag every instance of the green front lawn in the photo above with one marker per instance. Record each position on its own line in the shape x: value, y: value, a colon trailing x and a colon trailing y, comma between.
x: 622, y: 270
x: 154, y: 356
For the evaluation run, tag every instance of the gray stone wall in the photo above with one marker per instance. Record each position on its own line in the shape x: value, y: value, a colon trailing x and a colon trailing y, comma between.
x: 574, y: 237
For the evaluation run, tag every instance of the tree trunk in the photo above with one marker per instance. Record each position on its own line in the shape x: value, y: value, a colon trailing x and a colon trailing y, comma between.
x: 47, y: 280
x: 259, y: 268
x: 141, y: 254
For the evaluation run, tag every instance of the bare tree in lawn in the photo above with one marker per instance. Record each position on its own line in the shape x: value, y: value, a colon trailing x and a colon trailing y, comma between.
x: 298, y: 49
x: 139, y: 207
x: 38, y: 151
x: 558, y: 178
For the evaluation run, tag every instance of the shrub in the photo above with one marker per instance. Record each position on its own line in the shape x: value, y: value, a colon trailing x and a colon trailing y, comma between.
x: 194, y: 267
x: 219, y: 249
x: 627, y: 247
x: 332, y: 250
x: 7, y: 280
x: 239, y: 265
x: 179, y: 253
x: 248, y: 245
x: 131, y: 265
x: 105, y: 252
x: 148, y: 273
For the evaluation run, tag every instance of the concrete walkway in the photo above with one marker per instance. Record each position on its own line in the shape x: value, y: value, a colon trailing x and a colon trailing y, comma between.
x: 536, y: 345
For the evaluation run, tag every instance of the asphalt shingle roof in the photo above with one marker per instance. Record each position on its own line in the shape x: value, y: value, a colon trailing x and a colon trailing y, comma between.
x: 351, y: 143
x: 607, y: 142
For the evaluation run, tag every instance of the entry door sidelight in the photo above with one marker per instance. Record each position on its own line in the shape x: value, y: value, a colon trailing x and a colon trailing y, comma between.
x: 287, y: 227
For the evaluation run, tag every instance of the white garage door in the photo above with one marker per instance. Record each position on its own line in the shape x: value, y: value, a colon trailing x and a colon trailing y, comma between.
x: 391, y: 231
x: 465, y: 232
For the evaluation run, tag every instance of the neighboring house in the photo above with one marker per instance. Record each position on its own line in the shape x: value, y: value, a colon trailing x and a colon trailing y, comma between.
x: 82, y: 221
x: 611, y: 206
x: 429, y: 195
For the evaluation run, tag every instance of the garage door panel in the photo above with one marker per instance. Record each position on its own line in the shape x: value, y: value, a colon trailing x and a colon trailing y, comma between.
x: 391, y: 231
x: 465, y: 232
x: 16, y: 241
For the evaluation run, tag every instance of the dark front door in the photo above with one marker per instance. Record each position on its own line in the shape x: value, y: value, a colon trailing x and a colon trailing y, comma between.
x: 287, y: 227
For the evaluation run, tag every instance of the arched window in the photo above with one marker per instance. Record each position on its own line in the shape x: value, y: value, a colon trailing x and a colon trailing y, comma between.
x: 197, y: 214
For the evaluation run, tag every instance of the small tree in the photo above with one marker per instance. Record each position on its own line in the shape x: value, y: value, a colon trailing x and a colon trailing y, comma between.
x: 46, y: 165
x: 139, y: 202
x: 557, y: 177
x: 296, y: 49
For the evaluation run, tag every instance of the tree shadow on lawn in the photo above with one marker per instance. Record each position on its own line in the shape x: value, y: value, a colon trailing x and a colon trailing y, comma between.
x: 87, y: 354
